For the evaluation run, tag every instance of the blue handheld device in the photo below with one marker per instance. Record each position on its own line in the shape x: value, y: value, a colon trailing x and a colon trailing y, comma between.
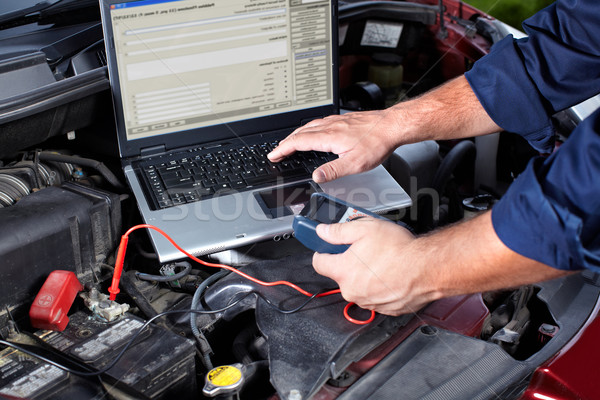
x: 325, y: 209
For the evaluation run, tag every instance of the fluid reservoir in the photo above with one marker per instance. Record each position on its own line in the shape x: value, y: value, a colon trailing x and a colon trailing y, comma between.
x: 386, y: 71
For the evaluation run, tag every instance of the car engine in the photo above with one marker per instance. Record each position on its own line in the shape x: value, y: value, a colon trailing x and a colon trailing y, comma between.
x: 197, y: 328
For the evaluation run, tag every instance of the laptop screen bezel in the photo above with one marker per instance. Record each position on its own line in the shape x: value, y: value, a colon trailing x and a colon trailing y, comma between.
x: 238, y: 129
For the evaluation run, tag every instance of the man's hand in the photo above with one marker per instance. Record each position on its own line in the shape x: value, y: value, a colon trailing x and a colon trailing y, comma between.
x: 362, y: 140
x: 375, y: 272
x: 388, y: 270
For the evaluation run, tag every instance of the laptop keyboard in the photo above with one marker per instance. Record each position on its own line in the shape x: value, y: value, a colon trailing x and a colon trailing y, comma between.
x: 196, y: 176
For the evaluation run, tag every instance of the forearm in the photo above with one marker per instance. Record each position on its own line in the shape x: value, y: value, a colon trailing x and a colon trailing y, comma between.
x: 469, y: 258
x: 364, y: 139
x: 452, y: 111
x: 388, y: 270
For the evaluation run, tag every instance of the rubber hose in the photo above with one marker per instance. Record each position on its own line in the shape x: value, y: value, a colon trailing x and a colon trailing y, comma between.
x: 204, y: 345
x: 450, y: 162
x: 138, y: 297
x: 170, y: 278
x: 254, y: 367
x: 85, y: 162
x: 239, y: 347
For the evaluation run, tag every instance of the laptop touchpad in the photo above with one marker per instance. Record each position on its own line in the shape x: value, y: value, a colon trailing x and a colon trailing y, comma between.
x: 287, y: 200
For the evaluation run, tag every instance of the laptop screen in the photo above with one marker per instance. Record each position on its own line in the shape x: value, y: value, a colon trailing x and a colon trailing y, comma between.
x: 187, y: 64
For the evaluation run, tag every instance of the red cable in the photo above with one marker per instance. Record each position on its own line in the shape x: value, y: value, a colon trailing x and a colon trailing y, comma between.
x: 114, y: 288
x: 357, y: 321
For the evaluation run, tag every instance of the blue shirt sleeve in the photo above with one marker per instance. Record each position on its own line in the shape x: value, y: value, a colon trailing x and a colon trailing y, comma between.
x: 551, y: 213
x: 521, y: 83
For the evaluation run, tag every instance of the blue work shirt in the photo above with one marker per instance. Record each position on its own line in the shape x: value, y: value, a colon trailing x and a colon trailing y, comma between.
x: 551, y: 213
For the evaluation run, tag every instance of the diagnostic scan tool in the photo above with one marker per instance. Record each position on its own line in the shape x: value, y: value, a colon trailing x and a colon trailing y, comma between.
x: 325, y: 209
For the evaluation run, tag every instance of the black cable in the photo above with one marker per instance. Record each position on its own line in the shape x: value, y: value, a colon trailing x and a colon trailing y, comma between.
x: 293, y: 310
x: 145, y: 325
x: 36, y: 169
x: 127, y: 345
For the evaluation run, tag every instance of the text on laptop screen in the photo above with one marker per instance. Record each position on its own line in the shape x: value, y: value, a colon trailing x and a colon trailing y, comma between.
x: 186, y: 64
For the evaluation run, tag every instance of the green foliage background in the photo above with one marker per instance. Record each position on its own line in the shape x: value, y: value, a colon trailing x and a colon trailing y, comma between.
x: 512, y: 12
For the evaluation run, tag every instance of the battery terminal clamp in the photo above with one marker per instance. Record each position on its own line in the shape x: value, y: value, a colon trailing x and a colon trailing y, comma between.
x: 102, y: 307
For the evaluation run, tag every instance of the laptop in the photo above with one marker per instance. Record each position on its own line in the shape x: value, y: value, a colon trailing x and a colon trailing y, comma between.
x: 202, y: 91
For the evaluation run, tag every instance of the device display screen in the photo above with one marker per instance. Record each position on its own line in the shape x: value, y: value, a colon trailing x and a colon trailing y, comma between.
x: 329, y: 212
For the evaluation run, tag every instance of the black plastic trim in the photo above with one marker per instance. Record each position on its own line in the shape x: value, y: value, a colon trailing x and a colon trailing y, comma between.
x: 54, y: 95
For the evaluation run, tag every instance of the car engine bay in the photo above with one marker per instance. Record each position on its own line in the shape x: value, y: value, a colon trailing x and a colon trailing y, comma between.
x: 195, y: 330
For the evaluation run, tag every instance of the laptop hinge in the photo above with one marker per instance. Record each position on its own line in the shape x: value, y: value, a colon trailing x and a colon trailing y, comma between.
x: 150, y: 151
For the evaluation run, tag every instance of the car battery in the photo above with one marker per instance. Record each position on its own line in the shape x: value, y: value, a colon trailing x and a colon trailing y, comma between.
x: 24, y: 376
x: 71, y: 227
x: 159, y: 364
